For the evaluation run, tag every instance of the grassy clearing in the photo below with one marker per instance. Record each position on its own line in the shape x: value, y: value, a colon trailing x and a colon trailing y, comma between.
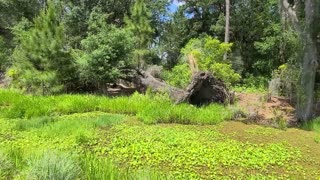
x: 93, y: 144
x: 149, y: 109
x: 97, y: 145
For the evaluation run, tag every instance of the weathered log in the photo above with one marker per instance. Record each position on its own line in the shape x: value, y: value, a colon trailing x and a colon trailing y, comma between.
x: 204, y: 89
x: 146, y: 80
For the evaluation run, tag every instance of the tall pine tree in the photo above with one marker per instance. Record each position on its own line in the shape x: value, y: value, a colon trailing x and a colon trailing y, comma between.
x: 140, y: 24
x: 42, y: 63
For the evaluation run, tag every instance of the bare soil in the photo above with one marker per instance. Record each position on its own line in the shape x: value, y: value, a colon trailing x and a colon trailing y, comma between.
x: 266, y: 110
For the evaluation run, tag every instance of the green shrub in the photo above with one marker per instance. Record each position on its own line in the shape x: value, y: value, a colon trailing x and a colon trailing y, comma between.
x: 180, y: 76
x: 42, y: 63
x: 4, y: 58
x: 53, y: 166
x: 225, y: 72
x: 253, y: 84
x: 105, y: 52
x: 205, y: 54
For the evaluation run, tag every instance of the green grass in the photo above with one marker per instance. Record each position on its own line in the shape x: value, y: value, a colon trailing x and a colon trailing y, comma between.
x: 6, y: 166
x: 313, y: 125
x: 147, y: 138
x: 149, y: 109
x: 98, y: 145
x: 250, y: 89
x: 60, y: 148
x: 53, y: 166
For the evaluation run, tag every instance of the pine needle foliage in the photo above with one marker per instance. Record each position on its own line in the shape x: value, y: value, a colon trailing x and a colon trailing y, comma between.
x: 42, y: 63
x: 140, y: 24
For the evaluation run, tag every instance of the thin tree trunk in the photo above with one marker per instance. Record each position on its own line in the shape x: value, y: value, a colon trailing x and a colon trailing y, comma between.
x: 227, y: 29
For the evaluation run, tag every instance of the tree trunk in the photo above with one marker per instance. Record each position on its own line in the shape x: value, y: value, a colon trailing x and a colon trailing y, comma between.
x: 227, y: 29
x: 204, y: 89
x: 309, y: 65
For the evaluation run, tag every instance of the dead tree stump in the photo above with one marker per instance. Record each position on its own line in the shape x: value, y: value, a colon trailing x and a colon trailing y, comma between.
x: 204, y: 89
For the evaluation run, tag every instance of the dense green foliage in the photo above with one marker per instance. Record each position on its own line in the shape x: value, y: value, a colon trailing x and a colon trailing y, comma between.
x: 205, y: 54
x: 41, y: 62
x: 105, y: 53
x: 95, y: 42
x: 139, y: 24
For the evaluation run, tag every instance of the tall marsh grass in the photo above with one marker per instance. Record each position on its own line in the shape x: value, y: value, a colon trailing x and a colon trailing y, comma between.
x: 149, y: 109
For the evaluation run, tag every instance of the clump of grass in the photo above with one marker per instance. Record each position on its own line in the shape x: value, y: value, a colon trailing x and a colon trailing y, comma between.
x: 149, y: 108
x: 107, y: 120
x: 53, y: 166
x: 16, y: 155
x: 6, y: 166
x: 37, y: 122
x: 279, y: 119
x: 184, y: 114
x: 98, y: 168
x: 94, y: 167
x: 313, y: 125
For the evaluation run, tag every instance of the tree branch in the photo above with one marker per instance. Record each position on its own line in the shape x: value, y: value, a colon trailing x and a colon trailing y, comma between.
x: 291, y: 13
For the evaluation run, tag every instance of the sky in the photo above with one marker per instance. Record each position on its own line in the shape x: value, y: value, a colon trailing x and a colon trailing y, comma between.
x: 175, y: 5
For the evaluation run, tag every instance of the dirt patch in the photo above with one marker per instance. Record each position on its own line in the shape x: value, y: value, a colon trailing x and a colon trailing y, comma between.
x: 267, y: 110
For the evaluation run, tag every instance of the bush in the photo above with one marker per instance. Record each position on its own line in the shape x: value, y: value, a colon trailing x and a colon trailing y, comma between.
x: 180, y: 76
x: 52, y: 166
x: 105, y: 52
x: 205, y: 54
x: 41, y: 62
x: 226, y: 73
x: 288, y: 77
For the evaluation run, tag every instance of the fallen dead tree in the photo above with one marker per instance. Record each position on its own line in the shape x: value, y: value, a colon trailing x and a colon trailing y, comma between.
x: 203, y: 89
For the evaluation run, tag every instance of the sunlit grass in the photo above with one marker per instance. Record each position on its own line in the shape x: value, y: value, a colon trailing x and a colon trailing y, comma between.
x: 148, y: 108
